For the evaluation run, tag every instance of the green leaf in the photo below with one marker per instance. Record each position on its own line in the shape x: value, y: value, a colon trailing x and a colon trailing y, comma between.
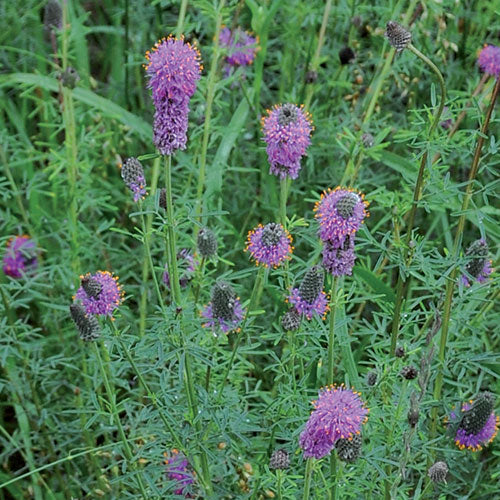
x: 377, y: 285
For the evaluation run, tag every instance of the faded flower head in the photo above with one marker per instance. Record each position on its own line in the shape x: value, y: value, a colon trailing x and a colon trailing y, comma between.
x: 339, y: 261
x: 280, y: 459
x: 104, y: 302
x: 133, y: 176
x: 489, y: 60
x: 206, y: 242
x: 186, y: 266
x: 339, y: 414
x: 269, y: 245
x: 349, y: 449
x: 478, y: 265
x: 87, y: 325
x: 241, y: 46
x: 397, y: 36
x: 437, y: 472
x: 179, y: 471
x: 225, y: 310
x: 409, y: 372
x: 340, y: 213
x: 346, y: 55
x: 309, y: 298
x: 291, y: 320
x: 20, y: 257
x: 287, y: 130
x: 478, y: 424
x: 52, y: 15
x: 69, y: 77
x: 371, y: 378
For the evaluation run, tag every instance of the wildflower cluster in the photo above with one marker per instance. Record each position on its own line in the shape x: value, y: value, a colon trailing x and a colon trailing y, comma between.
x: 269, y: 245
x: 20, y: 257
x: 241, y: 48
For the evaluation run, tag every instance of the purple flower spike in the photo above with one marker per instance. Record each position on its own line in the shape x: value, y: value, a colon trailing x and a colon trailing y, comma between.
x: 319, y: 306
x: 339, y: 261
x: 20, y: 257
x: 269, y: 245
x: 489, y: 60
x: 178, y: 470
x: 106, y: 300
x: 339, y: 414
x: 133, y: 175
x: 478, y: 266
x: 340, y: 213
x: 225, y: 310
x: 287, y: 130
x: 241, y: 46
x: 187, y: 264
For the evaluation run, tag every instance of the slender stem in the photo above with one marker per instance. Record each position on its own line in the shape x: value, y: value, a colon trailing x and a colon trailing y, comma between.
x: 147, y: 249
x: 283, y: 197
x: 416, y: 197
x: 180, y: 19
x: 279, y: 474
x: 331, y: 335
x: 199, y: 277
x: 333, y: 474
x: 308, y: 477
x: 116, y: 418
x: 456, y: 245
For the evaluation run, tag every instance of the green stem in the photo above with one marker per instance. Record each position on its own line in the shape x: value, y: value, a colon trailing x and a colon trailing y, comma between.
x: 331, y: 335
x: 416, y: 197
x: 283, y: 197
x: 180, y: 19
x: 116, y: 418
x: 308, y: 477
x: 456, y: 246
x: 333, y: 474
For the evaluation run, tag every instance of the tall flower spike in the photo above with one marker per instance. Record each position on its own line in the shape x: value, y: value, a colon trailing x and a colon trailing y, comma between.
x: 339, y: 414
x: 133, y: 176
x: 478, y: 265
x: 309, y: 298
x: 20, y: 257
x: 340, y: 213
x: 109, y: 298
x: 287, y: 130
x: 269, y: 245
x: 225, y: 310
x: 477, y: 424
x: 179, y: 471
x: 489, y: 60
x: 349, y: 449
x: 87, y: 325
x: 206, y: 242
x: 397, y: 36
x: 339, y: 261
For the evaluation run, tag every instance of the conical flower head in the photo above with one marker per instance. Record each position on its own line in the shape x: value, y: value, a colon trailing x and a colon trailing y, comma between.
x: 291, y: 320
x: 340, y: 213
x: 339, y: 414
x: 52, y: 15
x: 287, y: 130
x: 438, y: 472
x: 475, y: 418
x: 109, y: 298
x: 489, y: 60
x: 91, y: 286
x: 397, y: 36
x: 310, y: 299
x: 349, y: 449
x: 280, y: 459
x: 269, y: 245
x: 133, y: 176
x: 87, y: 325
x: 225, y: 310
x: 478, y: 265
x: 20, y: 257
x: 312, y: 284
x: 206, y: 242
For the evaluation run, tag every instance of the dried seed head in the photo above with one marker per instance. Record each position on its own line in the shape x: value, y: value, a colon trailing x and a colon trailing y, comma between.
x: 371, y: 378
x: 70, y: 77
x: 413, y: 412
x: 291, y: 320
x: 52, y: 15
x: 437, y: 472
x: 397, y: 36
x: 367, y: 140
x: 400, y: 352
x: 223, y: 301
x: 475, y: 418
x: 346, y: 55
x: 312, y: 284
x: 311, y: 76
x: 207, y: 242
x: 162, y: 199
x: 87, y: 325
x: 409, y: 372
x: 346, y: 204
x: 349, y: 450
x: 287, y: 114
x: 91, y: 286
x: 280, y: 459
x: 476, y: 254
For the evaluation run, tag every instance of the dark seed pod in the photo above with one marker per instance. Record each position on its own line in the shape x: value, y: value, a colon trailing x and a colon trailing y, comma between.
x: 312, y: 284
x: 207, y: 242
x: 52, y: 15
x: 397, y: 36
x: 413, y: 412
x: 409, y: 372
x: 70, y: 77
x: 367, y: 140
x: 371, y: 378
x: 311, y: 76
x: 346, y: 55
x: 291, y: 321
x: 162, y: 199
x: 87, y: 325
x: 476, y: 256
x: 400, y: 352
x: 437, y: 472
x: 287, y: 114
x: 223, y: 301
x: 91, y: 286
x: 349, y: 450
x: 280, y: 459
x: 346, y: 204
x: 475, y: 418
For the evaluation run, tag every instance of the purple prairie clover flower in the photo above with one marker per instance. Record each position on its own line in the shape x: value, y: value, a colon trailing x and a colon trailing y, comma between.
x: 338, y: 413
x: 340, y: 213
x: 241, y: 47
x: 20, y: 257
x: 269, y: 245
x: 187, y: 263
x: 133, y: 175
x: 478, y: 424
x: 170, y: 126
x: 489, y: 60
x: 287, y: 130
x: 478, y: 265
x: 179, y: 471
x: 310, y: 299
x: 104, y: 301
x: 224, y: 310
x: 339, y: 261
